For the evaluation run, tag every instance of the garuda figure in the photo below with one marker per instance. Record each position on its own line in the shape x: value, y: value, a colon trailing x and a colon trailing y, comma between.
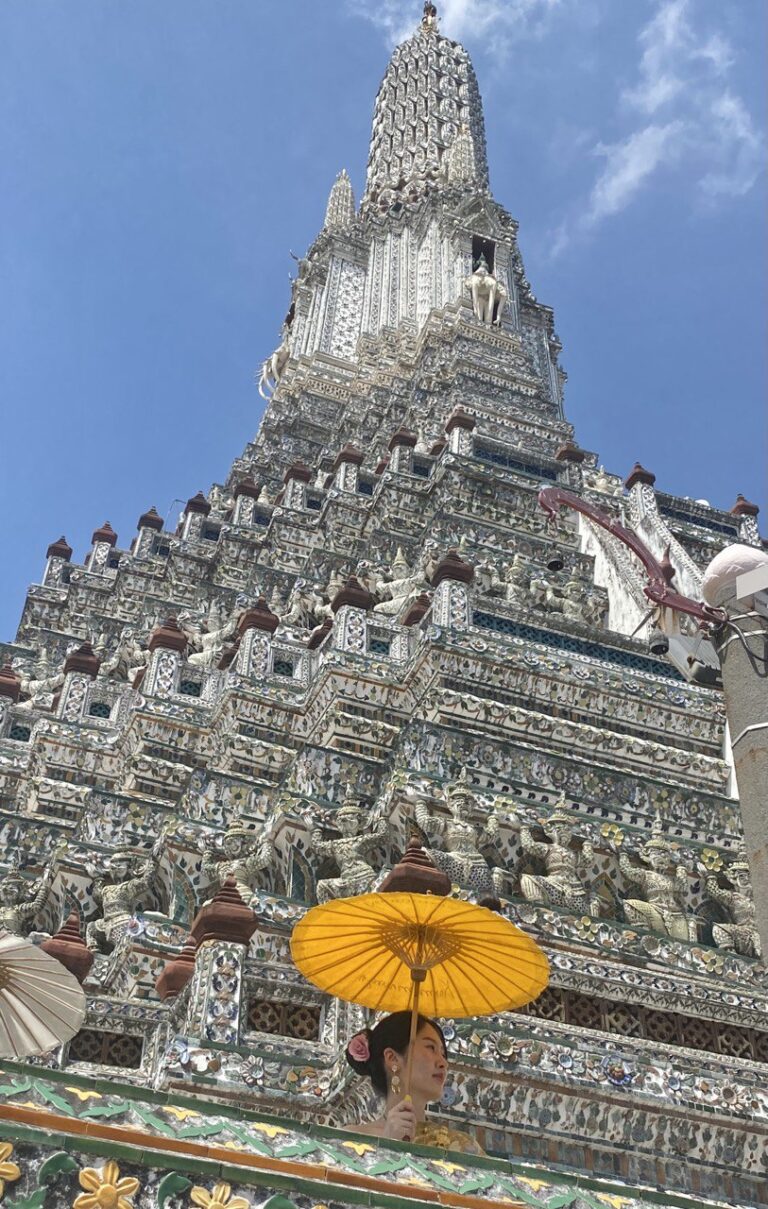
x: 741, y: 935
x: 455, y: 842
x: 663, y: 884
x: 129, y: 880
x: 567, y: 860
x: 21, y: 902
x: 350, y: 850
x: 243, y: 853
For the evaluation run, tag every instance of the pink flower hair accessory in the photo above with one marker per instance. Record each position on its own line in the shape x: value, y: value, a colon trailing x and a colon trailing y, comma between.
x: 358, y: 1048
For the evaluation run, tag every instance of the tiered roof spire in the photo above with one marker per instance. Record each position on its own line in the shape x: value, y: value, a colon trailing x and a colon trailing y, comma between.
x: 429, y: 95
x: 340, y: 211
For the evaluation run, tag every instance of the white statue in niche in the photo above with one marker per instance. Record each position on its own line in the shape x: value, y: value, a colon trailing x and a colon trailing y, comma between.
x: 488, y: 294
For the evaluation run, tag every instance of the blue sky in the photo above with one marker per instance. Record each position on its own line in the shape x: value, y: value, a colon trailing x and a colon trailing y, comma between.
x: 160, y: 160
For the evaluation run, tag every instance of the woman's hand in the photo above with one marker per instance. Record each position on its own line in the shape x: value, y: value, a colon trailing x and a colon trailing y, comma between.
x: 400, y: 1122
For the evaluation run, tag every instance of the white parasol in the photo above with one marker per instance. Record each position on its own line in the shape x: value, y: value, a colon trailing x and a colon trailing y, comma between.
x: 41, y: 1003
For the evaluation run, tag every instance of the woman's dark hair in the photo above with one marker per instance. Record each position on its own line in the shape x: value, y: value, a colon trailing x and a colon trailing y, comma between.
x: 393, y: 1032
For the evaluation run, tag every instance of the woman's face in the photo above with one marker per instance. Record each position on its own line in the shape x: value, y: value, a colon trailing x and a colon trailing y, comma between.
x: 430, y: 1065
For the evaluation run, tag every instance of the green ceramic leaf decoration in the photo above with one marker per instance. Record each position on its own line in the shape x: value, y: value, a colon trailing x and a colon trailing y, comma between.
x: 171, y: 1185
x: 60, y: 1161
x: 35, y: 1201
x: 51, y: 1097
x: 16, y: 1088
x: 561, y: 1200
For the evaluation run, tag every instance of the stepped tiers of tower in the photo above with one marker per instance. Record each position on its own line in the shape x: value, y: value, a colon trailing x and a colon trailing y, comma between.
x: 371, y: 630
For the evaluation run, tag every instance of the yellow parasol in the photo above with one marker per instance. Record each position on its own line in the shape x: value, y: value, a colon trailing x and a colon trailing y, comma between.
x: 398, y: 950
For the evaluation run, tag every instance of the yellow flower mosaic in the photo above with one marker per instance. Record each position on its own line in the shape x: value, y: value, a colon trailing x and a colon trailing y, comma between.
x: 104, y: 1189
x: 8, y: 1171
x: 181, y: 1114
x: 272, y: 1131
x: 360, y: 1148
x: 220, y: 1198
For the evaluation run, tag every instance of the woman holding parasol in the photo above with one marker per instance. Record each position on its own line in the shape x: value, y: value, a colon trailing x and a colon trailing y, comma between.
x: 382, y: 1054
x: 408, y: 949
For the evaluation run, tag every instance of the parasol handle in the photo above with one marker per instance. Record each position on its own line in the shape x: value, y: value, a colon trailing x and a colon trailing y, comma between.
x: 418, y: 974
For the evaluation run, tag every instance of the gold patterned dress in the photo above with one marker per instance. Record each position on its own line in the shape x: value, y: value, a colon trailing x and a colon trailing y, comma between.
x: 429, y: 1133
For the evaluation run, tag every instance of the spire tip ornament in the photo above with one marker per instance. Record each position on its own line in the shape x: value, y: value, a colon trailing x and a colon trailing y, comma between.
x: 429, y: 18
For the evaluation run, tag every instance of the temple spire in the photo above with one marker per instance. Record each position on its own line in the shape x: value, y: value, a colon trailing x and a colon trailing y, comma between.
x: 340, y: 211
x: 428, y: 95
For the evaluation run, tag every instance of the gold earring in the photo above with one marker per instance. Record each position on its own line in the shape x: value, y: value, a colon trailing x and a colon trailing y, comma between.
x: 395, y: 1080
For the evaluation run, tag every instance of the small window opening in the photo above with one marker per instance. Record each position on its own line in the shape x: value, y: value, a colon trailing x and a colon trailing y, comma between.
x: 190, y: 688
x: 283, y: 667
x: 485, y: 248
x: 99, y: 709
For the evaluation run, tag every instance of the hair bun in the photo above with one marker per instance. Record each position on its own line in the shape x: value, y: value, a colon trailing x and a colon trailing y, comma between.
x: 358, y: 1052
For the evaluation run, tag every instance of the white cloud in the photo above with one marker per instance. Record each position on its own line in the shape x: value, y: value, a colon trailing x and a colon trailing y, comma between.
x: 737, y: 149
x: 495, y: 20
x: 628, y: 166
x: 698, y: 124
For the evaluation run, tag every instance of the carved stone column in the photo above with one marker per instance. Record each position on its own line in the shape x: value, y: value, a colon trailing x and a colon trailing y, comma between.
x: 167, y: 645
x: 451, y: 602
x: 350, y: 606
x: 58, y: 555
x: 196, y: 511
x: 571, y: 458
x: 221, y: 929
x: 10, y: 688
x: 150, y: 523
x: 401, y: 447
x: 246, y: 493
x: 80, y: 668
x: 459, y: 426
x: 747, y: 513
x: 103, y: 541
x: 346, y: 468
x: 254, y: 629
x: 296, y: 478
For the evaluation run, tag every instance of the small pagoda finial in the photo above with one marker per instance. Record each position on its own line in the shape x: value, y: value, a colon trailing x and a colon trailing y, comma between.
x: 340, y: 211
x: 429, y: 20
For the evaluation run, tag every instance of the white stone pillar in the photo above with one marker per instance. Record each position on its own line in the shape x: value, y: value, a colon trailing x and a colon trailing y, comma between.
x: 103, y: 541
x: 246, y: 493
x: 459, y: 427
x: 80, y: 669
x: 150, y: 524
x: 401, y: 448
x: 167, y: 646
x: 255, y: 627
x: 197, y: 509
x: 451, y: 604
x: 57, y: 555
x: 346, y: 468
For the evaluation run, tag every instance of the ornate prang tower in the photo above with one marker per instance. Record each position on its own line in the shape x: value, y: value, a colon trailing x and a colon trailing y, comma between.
x: 371, y: 624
